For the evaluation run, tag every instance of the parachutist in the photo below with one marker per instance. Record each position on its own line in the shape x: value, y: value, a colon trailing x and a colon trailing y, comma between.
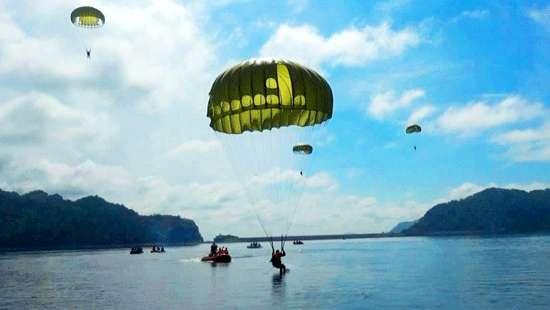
x: 301, y: 173
x: 276, y: 260
x: 88, y: 52
x: 276, y: 256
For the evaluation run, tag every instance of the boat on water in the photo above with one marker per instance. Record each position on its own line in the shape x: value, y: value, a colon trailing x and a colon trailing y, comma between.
x: 297, y: 242
x: 136, y: 250
x: 254, y: 245
x: 218, y: 258
x: 157, y: 249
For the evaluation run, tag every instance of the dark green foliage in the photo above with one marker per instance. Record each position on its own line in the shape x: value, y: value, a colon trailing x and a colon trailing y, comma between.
x: 37, y: 219
x: 492, y: 211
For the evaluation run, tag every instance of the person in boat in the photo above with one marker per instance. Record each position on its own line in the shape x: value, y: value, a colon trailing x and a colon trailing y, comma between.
x: 162, y: 249
x: 88, y: 52
x: 213, y: 249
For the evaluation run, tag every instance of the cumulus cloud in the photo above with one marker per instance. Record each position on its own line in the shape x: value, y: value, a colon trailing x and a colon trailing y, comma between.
x: 71, y: 181
x: 479, y: 116
x: 464, y: 190
x: 349, y: 47
x: 468, y: 188
x: 37, y: 118
x: 531, y: 144
x: 384, y: 104
x: 420, y: 114
x: 195, y: 146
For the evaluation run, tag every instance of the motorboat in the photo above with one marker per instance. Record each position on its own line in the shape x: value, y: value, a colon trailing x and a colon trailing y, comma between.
x: 254, y: 245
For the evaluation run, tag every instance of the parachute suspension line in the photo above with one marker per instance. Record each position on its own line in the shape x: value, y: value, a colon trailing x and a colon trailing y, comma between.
x: 300, y: 167
x: 304, y: 164
x: 248, y: 146
x: 261, y: 224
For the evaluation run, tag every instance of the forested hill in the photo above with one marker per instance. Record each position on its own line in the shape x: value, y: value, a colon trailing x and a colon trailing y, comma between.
x: 37, y: 219
x: 491, y: 211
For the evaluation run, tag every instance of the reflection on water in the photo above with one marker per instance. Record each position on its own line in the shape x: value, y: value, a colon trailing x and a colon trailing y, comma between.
x: 278, y: 290
x: 481, y: 273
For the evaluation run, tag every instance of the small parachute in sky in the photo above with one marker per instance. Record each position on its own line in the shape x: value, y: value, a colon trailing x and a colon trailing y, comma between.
x: 302, y: 149
x: 87, y: 17
x: 413, y: 129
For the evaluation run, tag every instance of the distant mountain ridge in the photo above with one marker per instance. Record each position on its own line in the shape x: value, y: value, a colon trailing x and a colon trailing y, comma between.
x: 491, y: 211
x: 37, y: 219
x: 399, y: 228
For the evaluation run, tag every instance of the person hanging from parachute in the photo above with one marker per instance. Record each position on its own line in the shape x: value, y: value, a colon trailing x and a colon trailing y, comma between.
x: 87, y: 17
x: 276, y: 256
x: 302, y: 149
x: 259, y: 109
x: 413, y: 129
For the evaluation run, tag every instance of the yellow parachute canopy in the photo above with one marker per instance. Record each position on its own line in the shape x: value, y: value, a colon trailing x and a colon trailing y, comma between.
x: 87, y: 17
x: 259, y: 95
x: 304, y: 149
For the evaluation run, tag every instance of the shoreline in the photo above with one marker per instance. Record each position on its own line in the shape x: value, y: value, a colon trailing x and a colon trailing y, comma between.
x: 92, y: 247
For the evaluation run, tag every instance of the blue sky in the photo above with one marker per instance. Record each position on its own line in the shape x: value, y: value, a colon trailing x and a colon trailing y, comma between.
x: 129, y: 124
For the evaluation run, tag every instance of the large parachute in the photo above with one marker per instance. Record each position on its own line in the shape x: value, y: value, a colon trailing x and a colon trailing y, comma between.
x: 264, y: 113
x: 261, y: 95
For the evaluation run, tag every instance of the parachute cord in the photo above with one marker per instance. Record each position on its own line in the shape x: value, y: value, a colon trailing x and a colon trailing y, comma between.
x: 262, y: 225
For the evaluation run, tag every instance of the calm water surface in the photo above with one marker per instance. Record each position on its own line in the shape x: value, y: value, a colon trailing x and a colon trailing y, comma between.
x: 393, y: 273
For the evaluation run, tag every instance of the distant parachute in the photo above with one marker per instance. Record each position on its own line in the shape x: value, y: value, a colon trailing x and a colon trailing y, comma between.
x: 303, y: 149
x: 260, y: 110
x: 413, y: 129
x: 87, y: 17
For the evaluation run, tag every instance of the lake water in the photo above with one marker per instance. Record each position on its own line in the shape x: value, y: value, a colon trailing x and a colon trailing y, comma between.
x: 392, y: 273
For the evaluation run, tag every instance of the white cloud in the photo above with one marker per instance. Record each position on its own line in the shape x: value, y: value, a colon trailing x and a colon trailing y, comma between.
x: 39, y: 119
x: 532, y: 144
x: 71, y: 181
x: 541, y: 16
x: 349, y: 47
x: 479, y: 116
x: 198, y: 147
x: 467, y: 189
x: 420, y: 114
x: 386, y: 103
x: 464, y: 190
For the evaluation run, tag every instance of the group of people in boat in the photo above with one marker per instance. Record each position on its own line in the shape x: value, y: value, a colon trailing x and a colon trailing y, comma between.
x: 216, y: 251
x: 136, y: 250
x: 156, y: 249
